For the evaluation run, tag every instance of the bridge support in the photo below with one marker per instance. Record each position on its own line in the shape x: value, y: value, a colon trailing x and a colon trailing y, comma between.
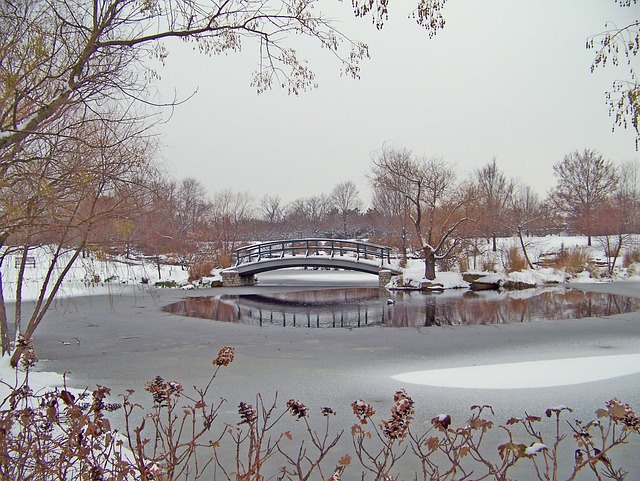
x: 384, y: 277
x: 234, y: 279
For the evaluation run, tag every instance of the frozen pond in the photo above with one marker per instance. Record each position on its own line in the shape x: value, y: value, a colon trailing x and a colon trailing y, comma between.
x: 362, y: 307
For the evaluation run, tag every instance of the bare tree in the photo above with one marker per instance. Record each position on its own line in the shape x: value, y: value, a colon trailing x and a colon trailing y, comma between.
x: 628, y: 194
x: 392, y: 205
x: 585, y: 181
x: 494, y: 192
x: 192, y: 206
x: 271, y: 209
x: 427, y: 185
x: 345, y: 199
x: 524, y: 211
x: 308, y: 214
x: 230, y: 214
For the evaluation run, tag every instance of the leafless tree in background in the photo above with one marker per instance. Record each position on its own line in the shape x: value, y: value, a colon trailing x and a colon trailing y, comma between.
x: 271, y: 209
x: 344, y: 197
x: 628, y: 194
x: 393, y: 206
x: 585, y: 181
x: 192, y: 207
x: 230, y: 215
x: 522, y: 215
x: 494, y: 193
x: 307, y: 215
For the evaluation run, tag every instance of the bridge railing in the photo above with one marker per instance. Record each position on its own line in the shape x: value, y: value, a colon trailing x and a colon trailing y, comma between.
x: 313, y: 247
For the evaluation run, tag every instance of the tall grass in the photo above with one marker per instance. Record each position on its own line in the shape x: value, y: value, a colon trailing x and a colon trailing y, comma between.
x: 514, y: 260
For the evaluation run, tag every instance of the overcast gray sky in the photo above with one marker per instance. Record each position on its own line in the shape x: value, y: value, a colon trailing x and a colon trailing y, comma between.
x: 505, y: 78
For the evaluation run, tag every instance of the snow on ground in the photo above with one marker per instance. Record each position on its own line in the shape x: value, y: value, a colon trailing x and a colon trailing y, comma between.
x: 90, y: 275
x: 537, y: 247
x: 39, y: 382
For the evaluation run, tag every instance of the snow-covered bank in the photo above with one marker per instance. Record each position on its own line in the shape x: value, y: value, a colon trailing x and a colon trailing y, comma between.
x: 92, y: 274
x: 39, y: 382
x: 537, y: 248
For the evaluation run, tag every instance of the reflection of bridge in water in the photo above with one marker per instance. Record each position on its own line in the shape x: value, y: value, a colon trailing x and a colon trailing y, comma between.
x: 349, y: 308
x: 361, y: 307
x: 310, y: 253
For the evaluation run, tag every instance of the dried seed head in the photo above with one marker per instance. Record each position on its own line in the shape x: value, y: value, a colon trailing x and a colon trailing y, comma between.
x: 162, y: 390
x: 296, y: 408
x: 362, y: 410
x: 248, y: 415
x: 225, y: 357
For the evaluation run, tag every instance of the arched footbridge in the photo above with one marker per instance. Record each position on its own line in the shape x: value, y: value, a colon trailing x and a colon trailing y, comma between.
x: 314, y: 253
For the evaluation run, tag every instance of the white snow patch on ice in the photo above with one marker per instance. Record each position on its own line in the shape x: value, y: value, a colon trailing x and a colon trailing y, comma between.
x: 530, y: 374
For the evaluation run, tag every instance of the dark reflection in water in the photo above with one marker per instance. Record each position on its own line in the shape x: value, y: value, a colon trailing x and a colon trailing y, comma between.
x: 371, y: 306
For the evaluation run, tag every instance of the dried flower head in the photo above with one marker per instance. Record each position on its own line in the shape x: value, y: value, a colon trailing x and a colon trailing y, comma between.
x: 162, y: 390
x: 296, y: 408
x: 225, y: 357
x: 362, y: 410
x: 247, y: 414
x: 28, y: 358
x: 401, y: 417
x: 326, y: 411
x: 442, y: 421
x: 621, y: 414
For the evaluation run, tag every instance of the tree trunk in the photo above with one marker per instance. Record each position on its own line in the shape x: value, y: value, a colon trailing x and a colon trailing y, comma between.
x: 20, y: 281
x: 524, y: 248
x: 429, y: 262
x: 45, y: 299
x: 4, y: 325
x: 403, y: 261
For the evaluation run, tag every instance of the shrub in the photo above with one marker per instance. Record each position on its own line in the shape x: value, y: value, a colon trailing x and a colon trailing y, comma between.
x: 573, y: 260
x: 199, y: 270
x: 61, y: 435
x: 631, y: 256
x: 166, y: 284
x: 488, y: 265
x: 224, y: 259
x: 514, y: 259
